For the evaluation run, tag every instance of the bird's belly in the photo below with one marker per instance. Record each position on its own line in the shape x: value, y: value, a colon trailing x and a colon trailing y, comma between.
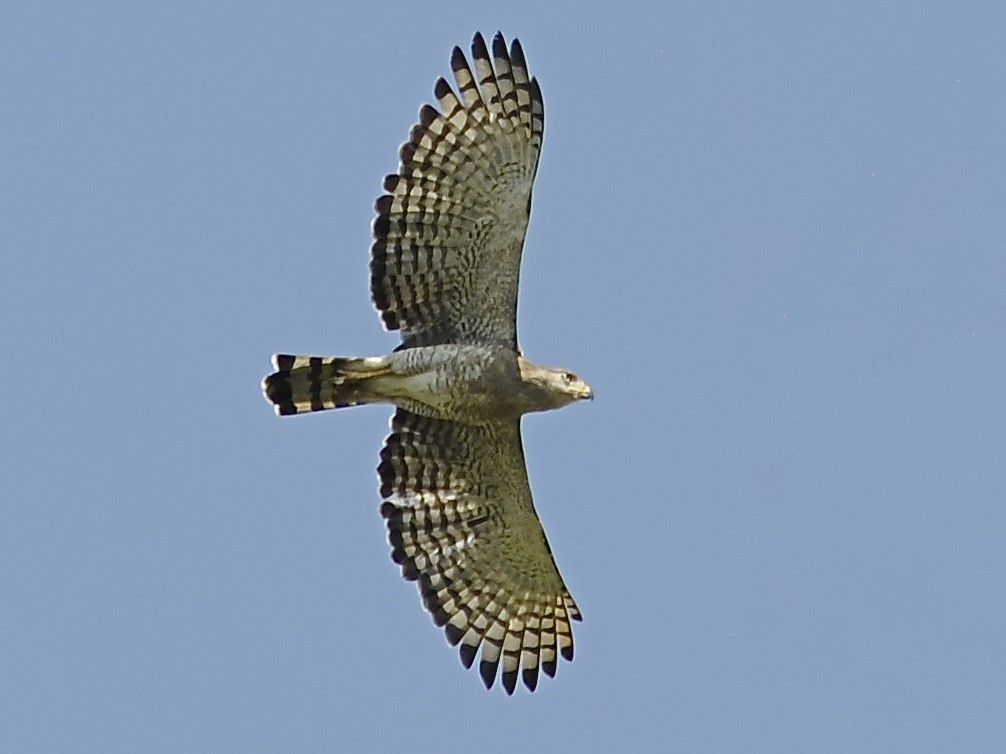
x: 457, y: 397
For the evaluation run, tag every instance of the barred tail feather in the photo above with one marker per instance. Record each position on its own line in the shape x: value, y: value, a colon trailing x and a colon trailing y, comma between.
x: 302, y: 384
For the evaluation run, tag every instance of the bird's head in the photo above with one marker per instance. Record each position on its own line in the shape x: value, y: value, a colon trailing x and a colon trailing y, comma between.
x: 561, y: 385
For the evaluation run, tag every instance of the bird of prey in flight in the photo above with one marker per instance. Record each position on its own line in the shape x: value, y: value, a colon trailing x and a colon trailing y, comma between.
x: 444, y: 270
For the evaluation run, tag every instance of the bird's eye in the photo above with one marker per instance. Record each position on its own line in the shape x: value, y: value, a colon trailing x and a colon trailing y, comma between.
x: 568, y: 377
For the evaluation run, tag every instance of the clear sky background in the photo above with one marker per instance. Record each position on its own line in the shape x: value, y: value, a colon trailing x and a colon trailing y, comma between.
x: 772, y: 237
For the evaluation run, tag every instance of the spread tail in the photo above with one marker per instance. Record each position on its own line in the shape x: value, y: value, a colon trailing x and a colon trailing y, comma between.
x: 315, y: 383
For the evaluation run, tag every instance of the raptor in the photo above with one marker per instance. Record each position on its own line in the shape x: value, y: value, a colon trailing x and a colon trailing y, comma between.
x: 444, y: 270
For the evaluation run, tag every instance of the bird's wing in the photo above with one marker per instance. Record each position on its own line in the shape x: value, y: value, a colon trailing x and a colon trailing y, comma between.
x: 449, y: 231
x: 461, y: 522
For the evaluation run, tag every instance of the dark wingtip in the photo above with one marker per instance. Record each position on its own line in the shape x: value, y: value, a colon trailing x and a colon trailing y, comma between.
x: 549, y: 668
x: 395, y: 539
x: 406, y: 153
x: 467, y: 652
x: 427, y: 115
x: 454, y: 634
x: 531, y: 678
x: 441, y: 88
x: 499, y: 46
x: 488, y: 672
x: 479, y: 50
x: 510, y: 682
x: 409, y: 570
x: 517, y: 54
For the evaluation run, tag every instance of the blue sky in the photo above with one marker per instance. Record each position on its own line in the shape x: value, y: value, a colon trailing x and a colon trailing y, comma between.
x: 772, y: 238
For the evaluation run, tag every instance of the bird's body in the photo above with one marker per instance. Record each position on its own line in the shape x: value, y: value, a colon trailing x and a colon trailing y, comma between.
x: 455, y: 382
x: 444, y: 271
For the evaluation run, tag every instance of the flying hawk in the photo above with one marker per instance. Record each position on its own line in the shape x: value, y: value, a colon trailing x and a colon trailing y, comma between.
x: 444, y: 269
